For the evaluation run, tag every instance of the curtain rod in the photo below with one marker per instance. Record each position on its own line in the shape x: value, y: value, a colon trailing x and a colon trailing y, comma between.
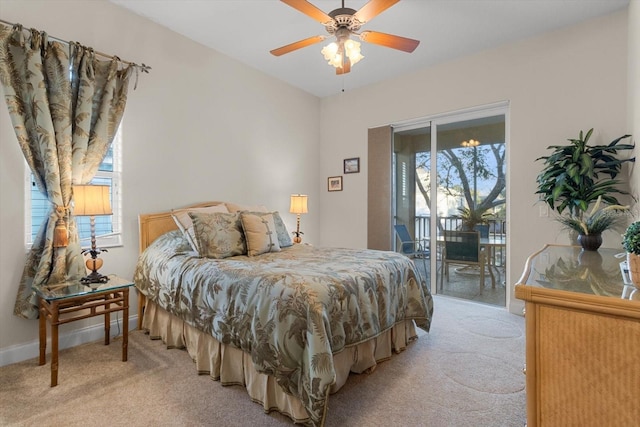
x: 144, y: 68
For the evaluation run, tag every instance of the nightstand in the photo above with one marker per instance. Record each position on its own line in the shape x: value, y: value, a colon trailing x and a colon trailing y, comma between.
x: 70, y: 301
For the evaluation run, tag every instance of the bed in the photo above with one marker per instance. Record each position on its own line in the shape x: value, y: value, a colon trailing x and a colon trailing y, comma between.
x: 288, y: 323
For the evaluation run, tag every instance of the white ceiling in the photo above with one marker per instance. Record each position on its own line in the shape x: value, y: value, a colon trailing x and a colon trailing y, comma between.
x: 248, y: 29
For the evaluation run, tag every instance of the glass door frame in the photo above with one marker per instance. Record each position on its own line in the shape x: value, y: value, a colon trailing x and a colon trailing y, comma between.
x: 498, y: 108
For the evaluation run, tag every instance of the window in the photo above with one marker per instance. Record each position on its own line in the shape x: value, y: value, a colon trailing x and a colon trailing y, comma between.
x: 108, y: 227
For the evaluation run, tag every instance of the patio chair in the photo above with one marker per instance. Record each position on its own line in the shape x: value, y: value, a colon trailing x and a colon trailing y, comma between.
x: 483, y: 229
x: 411, y: 247
x: 463, y: 248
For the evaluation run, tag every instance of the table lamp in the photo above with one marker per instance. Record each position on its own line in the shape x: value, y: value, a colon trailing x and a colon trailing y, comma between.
x: 92, y: 200
x: 298, y: 206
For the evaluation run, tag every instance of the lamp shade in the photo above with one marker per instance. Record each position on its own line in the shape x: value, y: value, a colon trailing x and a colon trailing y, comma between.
x: 298, y: 204
x: 90, y: 200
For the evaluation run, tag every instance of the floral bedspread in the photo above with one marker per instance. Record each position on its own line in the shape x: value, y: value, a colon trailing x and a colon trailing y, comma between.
x: 290, y: 310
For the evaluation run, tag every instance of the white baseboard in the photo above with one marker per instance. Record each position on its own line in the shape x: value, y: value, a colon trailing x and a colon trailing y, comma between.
x: 21, y: 352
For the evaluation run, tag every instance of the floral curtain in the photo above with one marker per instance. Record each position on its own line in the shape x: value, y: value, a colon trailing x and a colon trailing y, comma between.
x: 65, y: 107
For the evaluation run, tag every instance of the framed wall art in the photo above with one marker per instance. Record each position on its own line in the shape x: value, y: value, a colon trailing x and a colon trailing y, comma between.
x: 334, y: 183
x: 352, y: 165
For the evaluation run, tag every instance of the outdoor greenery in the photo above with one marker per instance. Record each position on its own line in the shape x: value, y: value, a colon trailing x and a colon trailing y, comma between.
x: 471, y: 218
x: 631, y: 238
x: 577, y: 174
x: 455, y: 177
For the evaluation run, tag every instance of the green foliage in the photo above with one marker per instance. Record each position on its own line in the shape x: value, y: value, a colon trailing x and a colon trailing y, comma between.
x: 631, y: 238
x: 455, y: 171
x: 597, y: 221
x: 577, y: 174
x: 471, y: 218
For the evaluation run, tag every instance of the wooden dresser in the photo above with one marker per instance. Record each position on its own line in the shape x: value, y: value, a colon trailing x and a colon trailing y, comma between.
x: 583, y: 339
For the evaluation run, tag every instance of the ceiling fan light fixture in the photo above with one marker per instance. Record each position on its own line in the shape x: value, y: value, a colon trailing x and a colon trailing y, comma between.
x: 332, y: 55
x: 352, y: 49
x: 470, y: 143
x: 333, y: 52
x: 343, y: 23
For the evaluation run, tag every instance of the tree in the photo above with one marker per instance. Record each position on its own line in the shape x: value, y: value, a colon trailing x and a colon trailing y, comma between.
x: 460, y: 169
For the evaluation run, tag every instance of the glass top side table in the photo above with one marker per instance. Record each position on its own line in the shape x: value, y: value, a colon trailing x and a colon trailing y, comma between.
x: 70, y: 301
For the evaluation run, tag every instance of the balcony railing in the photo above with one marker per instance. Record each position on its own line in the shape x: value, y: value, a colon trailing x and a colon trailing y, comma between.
x: 497, y: 228
x: 422, y: 229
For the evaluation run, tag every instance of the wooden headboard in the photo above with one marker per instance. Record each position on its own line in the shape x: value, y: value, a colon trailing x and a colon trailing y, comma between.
x: 155, y: 225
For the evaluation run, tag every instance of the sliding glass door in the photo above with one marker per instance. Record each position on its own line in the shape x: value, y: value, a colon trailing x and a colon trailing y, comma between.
x: 449, y: 189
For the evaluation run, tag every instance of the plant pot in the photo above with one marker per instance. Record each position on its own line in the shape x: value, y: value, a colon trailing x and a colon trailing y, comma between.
x: 633, y: 263
x: 590, y: 242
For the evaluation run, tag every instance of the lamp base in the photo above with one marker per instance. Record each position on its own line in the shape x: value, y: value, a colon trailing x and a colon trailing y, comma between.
x: 94, y: 277
x: 94, y: 264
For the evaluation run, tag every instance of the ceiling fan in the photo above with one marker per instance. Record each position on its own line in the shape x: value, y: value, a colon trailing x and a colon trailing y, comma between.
x: 343, y: 23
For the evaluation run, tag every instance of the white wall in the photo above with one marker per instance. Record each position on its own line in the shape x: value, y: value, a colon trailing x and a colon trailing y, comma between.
x: 199, y: 127
x: 634, y: 90
x: 557, y: 84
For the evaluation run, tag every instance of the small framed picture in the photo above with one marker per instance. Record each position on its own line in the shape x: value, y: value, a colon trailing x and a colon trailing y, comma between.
x: 334, y: 183
x: 352, y: 165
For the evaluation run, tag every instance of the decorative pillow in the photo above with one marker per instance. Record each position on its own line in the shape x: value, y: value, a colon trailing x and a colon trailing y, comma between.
x: 234, y: 207
x: 218, y: 235
x: 260, y: 232
x: 184, y: 223
x: 284, y: 238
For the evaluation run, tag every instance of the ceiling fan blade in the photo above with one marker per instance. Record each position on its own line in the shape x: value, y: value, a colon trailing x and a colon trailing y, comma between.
x: 297, y: 45
x: 389, y: 40
x: 372, y: 9
x: 309, y: 10
x: 346, y: 66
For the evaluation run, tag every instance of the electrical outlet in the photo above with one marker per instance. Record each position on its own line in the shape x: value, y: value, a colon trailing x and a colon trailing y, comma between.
x: 544, y: 211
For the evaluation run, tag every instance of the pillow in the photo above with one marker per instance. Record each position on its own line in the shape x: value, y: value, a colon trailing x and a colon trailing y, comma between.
x: 233, y: 207
x: 184, y: 223
x: 260, y: 232
x: 218, y: 235
x: 284, y: 239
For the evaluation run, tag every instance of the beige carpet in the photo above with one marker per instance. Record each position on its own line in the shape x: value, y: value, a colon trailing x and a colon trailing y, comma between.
x: 466, y: 372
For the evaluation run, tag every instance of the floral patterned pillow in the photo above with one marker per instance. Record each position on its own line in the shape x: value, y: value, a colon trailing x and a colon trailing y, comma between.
x: 284, y: 238
x: 184, y: 223
x: 218, y: 235
x: 260, y: 232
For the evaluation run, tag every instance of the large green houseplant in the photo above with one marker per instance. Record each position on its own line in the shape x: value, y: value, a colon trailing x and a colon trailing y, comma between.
x: 578, y: 174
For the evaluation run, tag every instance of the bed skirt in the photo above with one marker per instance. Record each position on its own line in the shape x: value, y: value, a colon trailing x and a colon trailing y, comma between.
x: 231, y: 366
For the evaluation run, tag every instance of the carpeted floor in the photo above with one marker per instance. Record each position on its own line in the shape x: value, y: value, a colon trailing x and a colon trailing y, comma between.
x: 466, y: 372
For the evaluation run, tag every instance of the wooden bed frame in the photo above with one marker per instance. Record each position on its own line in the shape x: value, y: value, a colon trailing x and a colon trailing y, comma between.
x: 152, y: 226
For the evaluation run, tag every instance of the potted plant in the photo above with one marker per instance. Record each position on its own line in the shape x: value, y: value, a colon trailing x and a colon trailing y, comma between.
x: 472, y: 217
x: 631, y: 243
x: 577, y: 174
x: 591, y: 225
